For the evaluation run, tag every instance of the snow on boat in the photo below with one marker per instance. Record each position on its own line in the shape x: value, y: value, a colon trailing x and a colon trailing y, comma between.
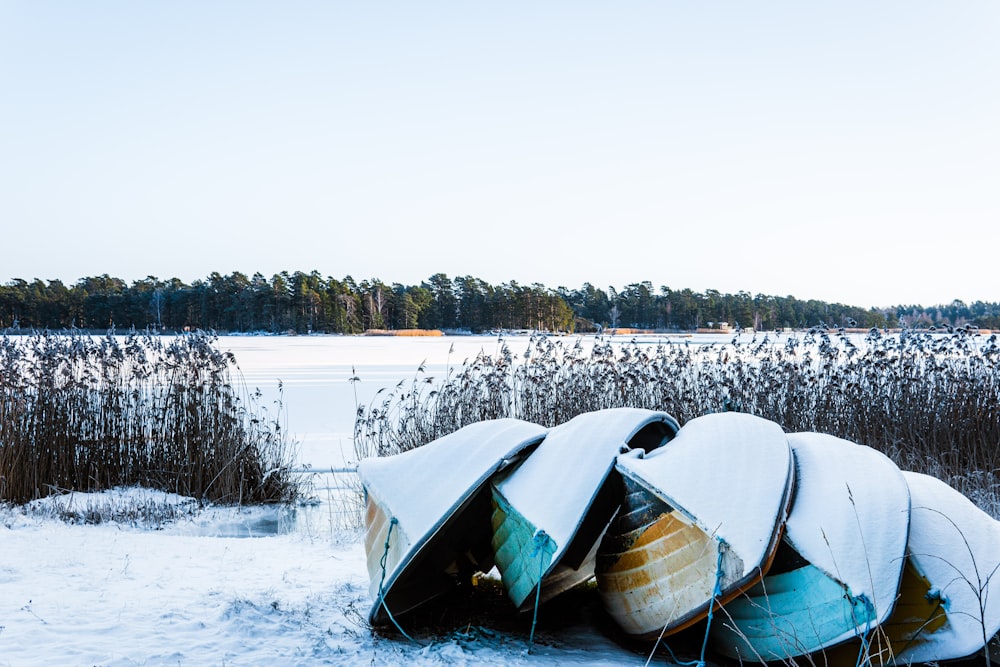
x: 428, y: 512
x: 837, y: 572
x: 700, y: 522
x: 949, y: 604
x: 549, y: 513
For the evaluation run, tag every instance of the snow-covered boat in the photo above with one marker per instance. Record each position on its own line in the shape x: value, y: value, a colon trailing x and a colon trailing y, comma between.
x: 549, y: 512
x: 949, y: 599
x: 700, y: 522
x: 428, y: 512
x: 837, y: 572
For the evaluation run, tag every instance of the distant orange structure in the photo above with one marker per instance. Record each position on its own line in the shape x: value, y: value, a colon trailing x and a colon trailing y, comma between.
x: 403, y: 332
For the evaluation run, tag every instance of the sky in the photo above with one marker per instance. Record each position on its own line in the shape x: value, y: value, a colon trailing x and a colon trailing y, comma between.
x: 848, y: 152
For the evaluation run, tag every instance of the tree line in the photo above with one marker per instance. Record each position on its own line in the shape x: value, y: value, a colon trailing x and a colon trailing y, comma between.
x: 309, y: 302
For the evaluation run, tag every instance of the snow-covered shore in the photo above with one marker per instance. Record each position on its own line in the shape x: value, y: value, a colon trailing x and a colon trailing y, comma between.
x: 117, y: 595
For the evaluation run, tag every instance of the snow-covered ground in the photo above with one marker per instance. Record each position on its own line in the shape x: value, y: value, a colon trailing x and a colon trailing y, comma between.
x: 118, y: 595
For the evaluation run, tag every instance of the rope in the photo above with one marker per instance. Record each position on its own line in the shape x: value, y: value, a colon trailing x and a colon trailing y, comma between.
x: 540, y: 540
x: 716, y: 594
x: 381, y: 583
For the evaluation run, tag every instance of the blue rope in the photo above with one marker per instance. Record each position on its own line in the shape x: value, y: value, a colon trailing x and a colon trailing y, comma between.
x: 540, y: 540
x: 381, y: 583
x: 716, y: 594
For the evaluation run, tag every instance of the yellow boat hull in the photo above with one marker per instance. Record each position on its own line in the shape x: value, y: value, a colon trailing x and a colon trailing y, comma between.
x: 657, y: 571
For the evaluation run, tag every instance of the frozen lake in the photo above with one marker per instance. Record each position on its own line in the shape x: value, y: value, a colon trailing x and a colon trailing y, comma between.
x: 314, y: 371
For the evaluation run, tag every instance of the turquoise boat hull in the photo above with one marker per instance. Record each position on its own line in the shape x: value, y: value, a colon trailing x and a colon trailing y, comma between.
x: 837, y: 572
x: 522, y: 554
x: 794, y: 612
x: 550, y: 512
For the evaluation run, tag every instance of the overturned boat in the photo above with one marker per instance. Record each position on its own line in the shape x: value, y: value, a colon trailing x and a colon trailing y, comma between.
x: 428, y: 512
x: 949, y: 599
x: 700, y: 522
x: 837, y: 572
x: 550, y: 511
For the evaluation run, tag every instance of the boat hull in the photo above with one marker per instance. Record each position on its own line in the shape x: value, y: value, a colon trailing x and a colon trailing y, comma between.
x: 793, y: 613
x: 700, y: 522
x: 522, y: 555
x: 919, y: 615
x: 428, y: 513
x: 550, y: 513
x: 837, y: 572
x: 954, y: 549
x: 657, y: 569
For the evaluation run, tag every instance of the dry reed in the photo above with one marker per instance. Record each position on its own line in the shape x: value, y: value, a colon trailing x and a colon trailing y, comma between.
x: 89, y: 413
x: 930, y: 401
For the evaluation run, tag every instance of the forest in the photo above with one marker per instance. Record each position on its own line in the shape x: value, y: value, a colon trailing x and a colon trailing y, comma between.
x: 302, y: 302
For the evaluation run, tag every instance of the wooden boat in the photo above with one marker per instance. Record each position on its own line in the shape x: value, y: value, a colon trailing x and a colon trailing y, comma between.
x: 949, y: 603
x: 428, y: 512
x: 838, y: 569
x: 700, y: 522
x: 549, y: 513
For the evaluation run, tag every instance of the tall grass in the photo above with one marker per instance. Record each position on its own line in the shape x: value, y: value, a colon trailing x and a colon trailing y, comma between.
x: 89, y: 413
x: 929, y: 400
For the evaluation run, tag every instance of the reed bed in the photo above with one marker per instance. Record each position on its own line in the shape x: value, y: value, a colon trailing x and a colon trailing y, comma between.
x: 83, y: 413
x: 929, y: 400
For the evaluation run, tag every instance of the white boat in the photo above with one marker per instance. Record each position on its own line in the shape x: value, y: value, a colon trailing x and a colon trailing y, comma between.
x: 949, y: 604
x: 837, y: 572
x: 428, y: 512
x: 700, y: 523
x: 551, y: 510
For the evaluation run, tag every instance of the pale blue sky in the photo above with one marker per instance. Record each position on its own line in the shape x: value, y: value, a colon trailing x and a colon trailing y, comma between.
x: 843, y: 151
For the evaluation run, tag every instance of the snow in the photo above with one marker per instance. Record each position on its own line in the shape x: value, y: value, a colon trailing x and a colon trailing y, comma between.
x: 730, y: 472
x: 556, y: 485
x: 850, y: 517
x: 424, y: 486
x: 957, y: 547
x: 118, y: 595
